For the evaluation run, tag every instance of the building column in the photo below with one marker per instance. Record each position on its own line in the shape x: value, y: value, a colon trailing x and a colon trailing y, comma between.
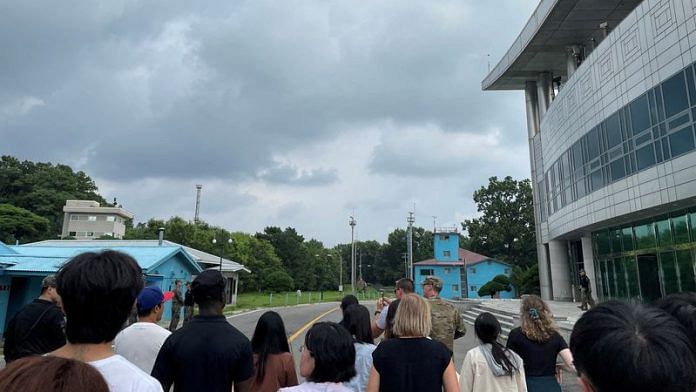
x: 572, y: 60
x: 532, y: 105
x: 560, y: 273
x: 588, y: 261
x: 544, y: 277
x: 544, y: 93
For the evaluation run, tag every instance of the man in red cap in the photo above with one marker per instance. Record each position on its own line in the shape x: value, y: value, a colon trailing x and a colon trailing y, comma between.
x: 141, y: 341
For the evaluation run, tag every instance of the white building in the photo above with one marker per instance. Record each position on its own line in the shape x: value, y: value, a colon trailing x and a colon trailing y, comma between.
x: 85, y: 219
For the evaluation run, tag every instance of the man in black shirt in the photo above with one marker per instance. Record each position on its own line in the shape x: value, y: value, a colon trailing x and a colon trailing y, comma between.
x: 208, y: 354
x: 585, y: 291
x: 38, y: 327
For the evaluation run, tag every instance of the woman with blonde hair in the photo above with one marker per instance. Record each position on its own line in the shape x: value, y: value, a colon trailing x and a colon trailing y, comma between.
x: 539, y: 342
x: 411, y: 361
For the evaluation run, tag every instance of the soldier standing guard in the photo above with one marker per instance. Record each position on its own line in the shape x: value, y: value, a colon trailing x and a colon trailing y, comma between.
x: 585, y: 292
x: 177, y: 302
x: 446, y: 320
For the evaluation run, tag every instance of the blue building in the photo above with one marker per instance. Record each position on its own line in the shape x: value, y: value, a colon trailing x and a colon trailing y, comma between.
x: 462, y: 272
x: 23, y: 267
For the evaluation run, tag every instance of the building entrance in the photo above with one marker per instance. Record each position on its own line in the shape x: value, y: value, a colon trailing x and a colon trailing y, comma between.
x: 649, y: 277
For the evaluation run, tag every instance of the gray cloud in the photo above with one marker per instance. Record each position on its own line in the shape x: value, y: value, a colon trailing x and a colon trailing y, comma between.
x: 176, y: 92
x: 291, y: 175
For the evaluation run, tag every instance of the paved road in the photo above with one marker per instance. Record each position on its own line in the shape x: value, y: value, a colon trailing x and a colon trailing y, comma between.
x: 297, y: 317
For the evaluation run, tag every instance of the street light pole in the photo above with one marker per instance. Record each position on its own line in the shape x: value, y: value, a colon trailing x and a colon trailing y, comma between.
x: 352, y: 224
x: 411, y: 219
x: 222, y: 249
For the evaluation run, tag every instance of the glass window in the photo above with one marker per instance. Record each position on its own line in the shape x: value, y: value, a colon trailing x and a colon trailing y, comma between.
x: 473, y: 288
x: 692, y: 223
x: 611, y: 278
x: 653, y: 108
x: 690, y: 85
x: 645, y: 157
x: 110, y: 218
x: 631, y: 276
x: 674, y: 94
x: 685, y: 262
x: 640, y: 115
x: 677, y: 122
x: 645, y: 238
x: 72, y: 234
x: 455, y: 288
x: 74, y: 217
x: 621, y: 290
x: 592, y: 144
x: 92, y: 218
x: 669, y: 273
x: 578, y: 160
x: 658, y: 100
x: 680, y: 229
x: 427, y: 272
x: 89, y: 234
x: 612, y: 127
x: 627, y: 239
x: 473, y: 270
x: 664, y: 233
x: 615, y: 241
x: 446, y: 253
x: 605, y: 285
x: 617, y: 169
x: 597, y: 179
x: 580, y: 187
x: 682, y: 141
x: 644, y: 138
x: 602, y: 242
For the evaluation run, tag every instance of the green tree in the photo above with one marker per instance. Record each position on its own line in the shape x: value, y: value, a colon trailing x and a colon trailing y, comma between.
x: 278, y: 281
x: 43, y: 188
x: 18, y: 224
x: 526, y: 279
x: 496, y: 285
x: 505, y: 230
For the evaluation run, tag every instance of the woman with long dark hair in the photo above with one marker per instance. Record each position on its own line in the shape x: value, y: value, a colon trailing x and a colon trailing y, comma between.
x: 357, y: 319
x: 273, y: 363
x: 346, y: 302
x: 391, y: 315
x: 539, y: 342
x: 490, y: 366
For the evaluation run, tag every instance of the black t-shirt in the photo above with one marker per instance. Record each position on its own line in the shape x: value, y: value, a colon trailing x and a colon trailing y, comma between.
x: 47, y: 334
x: 188, y: 299
x: 584, y: 282
x: 411, y: 364
x: 539, y: 358
x: 207, y: 354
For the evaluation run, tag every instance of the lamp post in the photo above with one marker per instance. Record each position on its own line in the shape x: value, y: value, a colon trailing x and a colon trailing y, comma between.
x: 222, y: 249
x: 352, y: 224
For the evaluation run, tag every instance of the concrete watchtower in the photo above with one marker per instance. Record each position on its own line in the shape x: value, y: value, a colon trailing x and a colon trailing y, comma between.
x: 446, y: 244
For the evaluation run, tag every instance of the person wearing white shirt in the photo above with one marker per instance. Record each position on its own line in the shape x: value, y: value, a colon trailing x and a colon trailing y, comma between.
x: 98, y: 291
x: 141, y: 342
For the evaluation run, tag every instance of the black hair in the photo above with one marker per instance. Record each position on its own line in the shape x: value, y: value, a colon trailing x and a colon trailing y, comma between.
x: 405, y: 284
x: 357, y: 319
x: 269, y: 338
x: 146, y: 312
x: 332, y: 348
x: 347, y: 301
x: 98, y: 291
x: 621, y: 346
x: 389, y: 321
x: 681, y: 306
x: 487, y: 329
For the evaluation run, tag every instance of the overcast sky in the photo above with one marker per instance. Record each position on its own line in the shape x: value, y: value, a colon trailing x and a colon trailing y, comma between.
x: 289, y: 113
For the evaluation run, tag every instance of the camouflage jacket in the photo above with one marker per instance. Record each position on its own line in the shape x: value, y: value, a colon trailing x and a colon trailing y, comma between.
x: 447, y: 322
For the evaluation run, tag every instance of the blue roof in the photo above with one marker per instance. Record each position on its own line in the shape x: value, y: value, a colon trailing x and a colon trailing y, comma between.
x: 50, y: 258
x: 5, y: 250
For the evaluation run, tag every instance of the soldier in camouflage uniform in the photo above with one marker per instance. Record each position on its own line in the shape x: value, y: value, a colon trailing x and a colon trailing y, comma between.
x: 446, y: 320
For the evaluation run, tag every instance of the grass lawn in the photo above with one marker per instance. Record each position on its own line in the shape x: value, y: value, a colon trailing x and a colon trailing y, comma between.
x: 263, y: 300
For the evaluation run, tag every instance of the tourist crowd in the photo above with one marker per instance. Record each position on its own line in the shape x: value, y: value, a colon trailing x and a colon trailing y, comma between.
x: 83, y: 345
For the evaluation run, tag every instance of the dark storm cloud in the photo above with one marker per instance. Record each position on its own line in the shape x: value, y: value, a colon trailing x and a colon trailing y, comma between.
x: 173, y: 90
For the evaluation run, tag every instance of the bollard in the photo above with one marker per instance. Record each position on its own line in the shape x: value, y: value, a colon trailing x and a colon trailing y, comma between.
x: 310, y: 297
x: 286, y: 299
x: 271, y: 300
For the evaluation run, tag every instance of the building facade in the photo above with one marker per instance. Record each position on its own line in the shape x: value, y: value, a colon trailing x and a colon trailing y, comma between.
x: 611, y: 109
x: 86, y: 220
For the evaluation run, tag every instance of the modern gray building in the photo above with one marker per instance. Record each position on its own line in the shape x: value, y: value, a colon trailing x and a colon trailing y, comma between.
x: 611, y: 104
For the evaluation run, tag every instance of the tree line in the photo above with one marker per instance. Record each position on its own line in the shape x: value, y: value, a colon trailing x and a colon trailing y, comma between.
x: 32, y: 196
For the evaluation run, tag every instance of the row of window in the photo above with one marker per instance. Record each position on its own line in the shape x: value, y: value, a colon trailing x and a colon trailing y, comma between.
x: 89, y: 234
x: 655, y: 127
x: 677, y: 229
x: 95, y: 218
